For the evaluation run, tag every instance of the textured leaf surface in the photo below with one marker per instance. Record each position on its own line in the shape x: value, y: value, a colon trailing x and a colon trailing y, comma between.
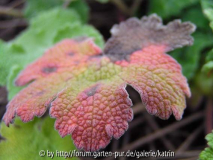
x: 59, y: 64
x: 43, y: 32
x: 85, y: 86
x: 207, y: 154
x: 25, y: 140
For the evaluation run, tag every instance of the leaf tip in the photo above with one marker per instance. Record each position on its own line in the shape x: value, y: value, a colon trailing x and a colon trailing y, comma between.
x: 135, y: 34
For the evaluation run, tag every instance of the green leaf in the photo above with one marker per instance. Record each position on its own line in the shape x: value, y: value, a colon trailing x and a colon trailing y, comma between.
x: 84, y: 31
x: 81, y: 7
x: 34, y: 7
x: 167, y: 8
x: 13, y: 90
x: 3, y: 72
x: 207, y: 67
x: 196, y: 16
x: 25, y: 140
x: 207, y: 6
x: 209, y: 57
x: 10, y: 54
x: 204, y: 83
x: 189, y: 57
x: 207, y: 154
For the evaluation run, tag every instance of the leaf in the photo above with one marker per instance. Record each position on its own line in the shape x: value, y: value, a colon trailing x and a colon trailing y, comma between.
x: 43, y: 32
x: 207, y: 6
x: 85, y: 86
x: 10, y: 85
x: 38, y: 37
x: 81, y: 7
x: 26, y: 140
x: 170, y: 7
x: 207, y: 154
x: 189, y: 61
x: 34, y: 7
x: 193, y: 14
x: 208, y: 67
x: 80, y: 31
x: 203, y: 39
x: 209, y: 57
x: 2, y: 67
x: 204, y: 83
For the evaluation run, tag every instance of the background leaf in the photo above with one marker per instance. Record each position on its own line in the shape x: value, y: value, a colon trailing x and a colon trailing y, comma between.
x: 25, y: 140
x: 168, y: 8
x: 207, y: 154
x: 34, y: 7
x: 207, y: 6
x: 189, y: 57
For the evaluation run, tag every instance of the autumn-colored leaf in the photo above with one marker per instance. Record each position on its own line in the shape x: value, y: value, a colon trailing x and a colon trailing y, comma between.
x: 85, y: 87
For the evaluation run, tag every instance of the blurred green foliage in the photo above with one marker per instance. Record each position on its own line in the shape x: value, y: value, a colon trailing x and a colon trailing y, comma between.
x: 24, y: 140
x: 34, y: 7
x: 207, y: 154
x: 169, y: 8
x: 207, y: 6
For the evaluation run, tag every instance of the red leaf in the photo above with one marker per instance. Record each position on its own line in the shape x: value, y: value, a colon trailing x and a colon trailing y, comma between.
x: 86, y: 89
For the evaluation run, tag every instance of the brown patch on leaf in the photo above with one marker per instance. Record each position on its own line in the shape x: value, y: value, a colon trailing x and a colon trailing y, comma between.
x: 81, y: 39
x: 71, y: 54
x: 135, y: 34
x: 48, y: 70
x: 91, y: 91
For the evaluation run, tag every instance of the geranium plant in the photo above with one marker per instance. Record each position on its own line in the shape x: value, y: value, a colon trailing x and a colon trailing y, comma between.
x: 84, y: 86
